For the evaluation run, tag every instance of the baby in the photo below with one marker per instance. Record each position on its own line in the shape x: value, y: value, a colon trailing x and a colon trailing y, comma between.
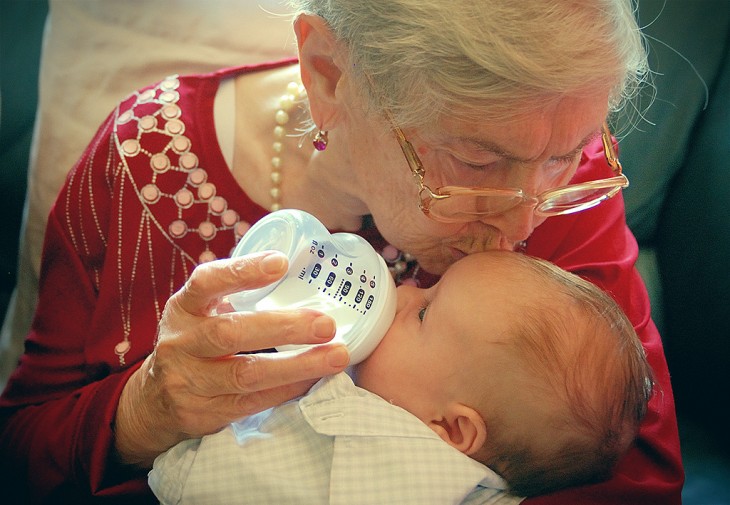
x: 509, y: 377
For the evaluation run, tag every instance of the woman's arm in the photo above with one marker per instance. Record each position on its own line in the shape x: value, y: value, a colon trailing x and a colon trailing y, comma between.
x: 58, y: 408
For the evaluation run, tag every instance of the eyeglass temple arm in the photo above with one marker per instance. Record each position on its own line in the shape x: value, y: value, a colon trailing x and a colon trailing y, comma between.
x: 609, y: 151
x: 413, y: 161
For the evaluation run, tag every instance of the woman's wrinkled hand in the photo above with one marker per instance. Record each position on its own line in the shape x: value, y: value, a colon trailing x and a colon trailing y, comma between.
x: 202, y: 374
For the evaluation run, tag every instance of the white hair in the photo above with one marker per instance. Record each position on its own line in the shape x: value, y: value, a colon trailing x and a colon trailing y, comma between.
x: 484, y: 59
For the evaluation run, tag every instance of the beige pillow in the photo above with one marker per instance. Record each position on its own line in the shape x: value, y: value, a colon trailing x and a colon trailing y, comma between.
x: 95, y: 52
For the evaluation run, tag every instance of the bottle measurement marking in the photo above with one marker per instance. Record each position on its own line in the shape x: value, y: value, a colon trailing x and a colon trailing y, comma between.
x: 344, y: 288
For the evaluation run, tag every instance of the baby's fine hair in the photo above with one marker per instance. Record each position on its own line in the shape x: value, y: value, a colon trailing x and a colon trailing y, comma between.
x: 482, y: 60
x: 601, y: 383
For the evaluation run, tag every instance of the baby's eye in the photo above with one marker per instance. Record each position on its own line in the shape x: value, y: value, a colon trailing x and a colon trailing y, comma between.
x: 422, y: 313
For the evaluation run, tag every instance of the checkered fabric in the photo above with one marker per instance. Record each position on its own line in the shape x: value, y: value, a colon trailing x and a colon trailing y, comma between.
x: 339, y: 444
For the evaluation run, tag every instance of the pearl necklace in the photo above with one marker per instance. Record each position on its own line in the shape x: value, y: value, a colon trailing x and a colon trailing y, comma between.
x: 294, y: 92
x: 402, y: 266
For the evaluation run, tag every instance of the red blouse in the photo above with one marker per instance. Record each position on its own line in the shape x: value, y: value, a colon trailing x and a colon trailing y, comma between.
x: 151, y: 198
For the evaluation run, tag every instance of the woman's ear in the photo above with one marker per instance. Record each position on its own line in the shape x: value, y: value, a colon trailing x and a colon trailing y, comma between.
x: 320, y: 72
x: 461, y: 427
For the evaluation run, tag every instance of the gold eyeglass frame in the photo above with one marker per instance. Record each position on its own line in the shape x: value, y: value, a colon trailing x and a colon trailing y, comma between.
x: 427, y: 196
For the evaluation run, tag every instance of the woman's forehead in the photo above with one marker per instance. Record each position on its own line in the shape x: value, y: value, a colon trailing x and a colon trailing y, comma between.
x: 566, y: 130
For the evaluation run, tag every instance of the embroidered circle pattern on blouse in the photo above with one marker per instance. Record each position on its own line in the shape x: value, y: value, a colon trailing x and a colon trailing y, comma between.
x: 160, y: 136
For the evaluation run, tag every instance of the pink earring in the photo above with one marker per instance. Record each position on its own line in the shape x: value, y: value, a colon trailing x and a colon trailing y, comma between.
x: 320, y: 141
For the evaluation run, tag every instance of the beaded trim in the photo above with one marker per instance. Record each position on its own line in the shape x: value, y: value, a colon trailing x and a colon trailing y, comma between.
x: 157, y: 115
x: 294, y: 93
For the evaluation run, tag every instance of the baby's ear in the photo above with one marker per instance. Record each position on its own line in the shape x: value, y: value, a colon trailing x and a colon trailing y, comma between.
x: 461, y: 427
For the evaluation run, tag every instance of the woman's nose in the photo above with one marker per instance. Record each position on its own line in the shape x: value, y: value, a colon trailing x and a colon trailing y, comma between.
x: 518, y: 223
x: 515, y: 225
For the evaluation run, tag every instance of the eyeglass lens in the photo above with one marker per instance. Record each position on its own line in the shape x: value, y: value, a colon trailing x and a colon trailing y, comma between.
x: 468, y: 205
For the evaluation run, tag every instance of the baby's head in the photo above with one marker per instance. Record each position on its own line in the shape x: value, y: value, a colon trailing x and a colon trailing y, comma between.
x: 523, y: 366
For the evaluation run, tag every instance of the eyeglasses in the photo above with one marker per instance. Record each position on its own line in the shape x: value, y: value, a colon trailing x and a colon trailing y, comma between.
x: 453, y: 204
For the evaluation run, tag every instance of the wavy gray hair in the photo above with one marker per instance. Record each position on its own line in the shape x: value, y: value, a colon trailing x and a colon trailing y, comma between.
x: 482, y: 60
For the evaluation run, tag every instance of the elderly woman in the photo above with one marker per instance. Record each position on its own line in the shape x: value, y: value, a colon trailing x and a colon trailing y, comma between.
x: 438, y: 129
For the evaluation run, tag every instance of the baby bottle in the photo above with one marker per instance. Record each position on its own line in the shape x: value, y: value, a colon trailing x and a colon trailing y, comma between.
x: 338, y: 274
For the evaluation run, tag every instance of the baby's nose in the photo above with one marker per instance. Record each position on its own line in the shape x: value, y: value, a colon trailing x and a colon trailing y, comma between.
x: 404, y: 294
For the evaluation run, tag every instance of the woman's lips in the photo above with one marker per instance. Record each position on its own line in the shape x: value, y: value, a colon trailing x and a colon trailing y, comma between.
x: 457, y: 254
x: 503, y: 245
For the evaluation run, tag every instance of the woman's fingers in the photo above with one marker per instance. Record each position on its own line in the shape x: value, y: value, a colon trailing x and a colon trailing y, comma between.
x: 211, y: 281
x: 195, y: 328
x: 203, y: 415
x: 254, y: 373
x: 240, y: 332
x: 205, y: 372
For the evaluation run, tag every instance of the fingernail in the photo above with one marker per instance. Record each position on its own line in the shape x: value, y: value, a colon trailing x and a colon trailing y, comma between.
x: 338, y: 357
x: 272, y: 264
x: 323, y: 327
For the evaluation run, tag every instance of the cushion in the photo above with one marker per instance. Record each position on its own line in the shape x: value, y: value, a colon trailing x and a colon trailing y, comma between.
x: 95, y: 53
x: 684, y: 68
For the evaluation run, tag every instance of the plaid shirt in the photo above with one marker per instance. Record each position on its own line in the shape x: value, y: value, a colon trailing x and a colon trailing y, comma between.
x: 339, y: 444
